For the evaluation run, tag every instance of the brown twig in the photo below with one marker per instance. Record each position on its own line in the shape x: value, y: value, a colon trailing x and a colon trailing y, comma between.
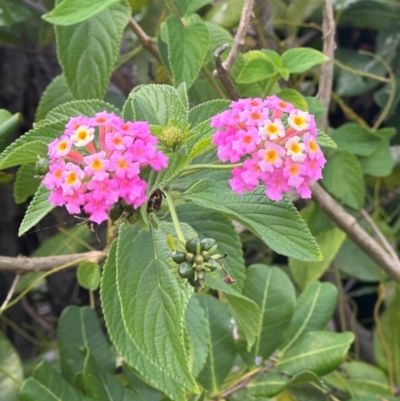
x: 326, y: 78
x: 144, y: 39
x: 10, y: 292
x: 24, y: 264
x: 349, y: 225
x: 223, y: 74
x: 238, y: 42
x: 37, y: 318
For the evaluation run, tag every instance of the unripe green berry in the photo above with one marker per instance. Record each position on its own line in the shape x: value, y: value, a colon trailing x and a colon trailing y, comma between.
x: 207, y: 243
x: 191, y: 244
x: 185, y: 270
x: 42, y: 166
x: 205, y: 255
x: 190, y: 256
x: 198, y: 260
x: 193, y: 282
x: 178, y: 256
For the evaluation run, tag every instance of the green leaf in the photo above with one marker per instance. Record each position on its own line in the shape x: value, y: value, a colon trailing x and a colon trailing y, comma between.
x: 187, y: 49
x: 11, y: 372
x: 153, y: 299
x: 325, y: 140
x: 274, y: 293
x: 77, y: 328
x: 314, y: 308
x: 255, y: 66
x: 44, y: 133
x: 329, y: 242
x: 222, y: 350
x: 317, y: 351
x: 69, y: 12
x: 88, y: 275
x: 181, y: 90
x: 196, y: 324
x: 156, y: 104
x: 47, y: 384
x: 101, y: 385
x: 294, y: 97
x: 27, y: 153
x: 209, y: 224
x: 315, y: 107
x: 89, y: 50
x: 38, y: 208
x: 56, y: 93
x: 380, y: 163
x: 25, y: 184
x: 226, y: 13
x: 389, y: 326
x: 278, y: 224
x: 354, y: 138
x: 204, y: 111
x: 343, y: 178
x: 219, y: 36
x: 111, y: 305
x: 8, y: 124
x: 299, y: 11
x: 143, y: 391
x: 301, y: 59
x: 77, y: 108
x: 191, y: 6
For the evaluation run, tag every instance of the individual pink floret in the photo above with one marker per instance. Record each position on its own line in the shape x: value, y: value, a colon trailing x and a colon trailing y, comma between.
x: 246, y: 141
x: 276, y: 185
x: 97, y: 166
x: 123, y: 165
x: 59, y: 147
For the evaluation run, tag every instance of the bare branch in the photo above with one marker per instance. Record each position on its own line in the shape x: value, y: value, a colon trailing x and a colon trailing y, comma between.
x: 349, y: 225
x: 326, y: 78
x: 223, y: 74
x: 24, y: 264
x: 238, y: 42
x: 145, y: 40
x: 10, y: 292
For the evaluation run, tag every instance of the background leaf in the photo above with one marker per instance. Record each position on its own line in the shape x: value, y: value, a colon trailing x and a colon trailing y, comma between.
x: 25, y: 184
x: 301, y: 59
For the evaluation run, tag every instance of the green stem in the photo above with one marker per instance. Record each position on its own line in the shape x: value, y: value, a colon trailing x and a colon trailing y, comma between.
x: 212, y: 82
x: 211, y: 167
x: 91, y: 298
x: 125, y: 57
x: 174, y: 216
x: 271, y: 83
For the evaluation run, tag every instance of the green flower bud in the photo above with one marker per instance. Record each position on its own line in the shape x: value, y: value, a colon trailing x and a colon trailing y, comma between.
x: 42, y: 166
x: 172, y: 137
x: 178, y: 256
x: 190, y: 257
x: 198, y: 260
x: 185, y: 270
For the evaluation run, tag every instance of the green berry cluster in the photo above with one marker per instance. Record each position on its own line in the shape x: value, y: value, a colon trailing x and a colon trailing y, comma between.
x: 196, y: 260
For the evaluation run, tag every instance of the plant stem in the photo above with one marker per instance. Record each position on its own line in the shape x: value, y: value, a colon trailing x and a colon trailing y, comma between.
x: 174, y: 216
x: 211, y: 167
x: 91, y: 298
x: 211, y: 80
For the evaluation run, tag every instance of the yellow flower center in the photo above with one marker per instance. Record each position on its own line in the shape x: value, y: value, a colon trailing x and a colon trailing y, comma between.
x: 272, y: 129
x: 62, y: 146
x: 271, y: 156
x: 294, y: 170
x: 82, y: 134
x: 97, y: 164
x: 299, y: 120
x: 295, y: 148
x: 71, y: 178
x: 313, y: 146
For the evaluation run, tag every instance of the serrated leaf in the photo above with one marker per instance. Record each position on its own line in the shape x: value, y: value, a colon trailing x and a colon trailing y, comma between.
x: 314, y: 308
x: 329, y: 242
x: 47, y: 384
x: 278, y: 224
x: 343, y: 178
x: 88, y: 275
x: 255, y: 66
x: 317, y: 351
x: 8, y: 124
x: 181, y: 91
x: 315, y: 107
x: 325, y: 140
x: 301, y: 59
x: 38, y: 208
x: 380, y: 163
x: 69, y: 12
x: 56, y: 93
x: 77, y: 328
x: 88, y: 51
x: 153, y: 299
x: 210, y: 224
x: 11, y: 371
x: 27, y: 153
x: 156, y: 104
x: 25, y: 184
x: 274, y: 294
x: 196, y: 324
x: 111, y: 305
x: 222, y: 350
x: 204, y: 111
x: 187, y: 49
x: 77, y: 108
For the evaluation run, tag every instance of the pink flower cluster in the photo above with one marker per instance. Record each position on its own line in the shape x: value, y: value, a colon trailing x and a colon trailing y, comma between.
x: 277, y: 143
x: 97, y: 161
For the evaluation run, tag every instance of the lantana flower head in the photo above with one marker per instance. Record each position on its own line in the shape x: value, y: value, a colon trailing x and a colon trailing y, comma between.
x: 97, y: 161
x: 276, y: 142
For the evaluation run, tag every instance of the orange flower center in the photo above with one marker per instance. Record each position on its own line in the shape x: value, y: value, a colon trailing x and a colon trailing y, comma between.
x: 272, y: 129
x: 101, y: 119
x: 271, y: 156
x: 247, y: 139
x: 298, y: 120
x: 71, y: 178
x: 294, y: 170
x: 313, y: 146
x: 62, y: 145
x: 57, y: 174
x: 282, y: 104
x: 117, y: 141
x: 82, y: 134
x: 295, y: 148
x: 97, y: 164
x: 255, y: 115
x: 122, y: 164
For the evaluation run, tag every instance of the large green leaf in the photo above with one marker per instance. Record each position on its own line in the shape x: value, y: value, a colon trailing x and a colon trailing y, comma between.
x: 153, y: 299
x: 154, y: 373
x: 11, y: 372
x: 204, y: 111
x: 343, y: 178
x: 77, y: 328
x: 8, y: 123
x: 24, y: 154
x: 76, y: 108
x: 69, y: 12
x: 88, y: 51
x: 38, y: 208
x: 190, y: 6
x: 274, y: 293
x: 317, y: 351
x: 56, y: 93
x: 187, y: 49
x: 25, y: 184
x: 255, y: 66
x: 156, y: 104
x: 222, y: 351
x: 314, y: 308
x: 390, y: 327
x: 380, y: 163
x: 143, y: 391
x: 196, y: 324
x: 278, y: 224
x: 329, y: 242
x: 301, y: 59
x: 47, y: 384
